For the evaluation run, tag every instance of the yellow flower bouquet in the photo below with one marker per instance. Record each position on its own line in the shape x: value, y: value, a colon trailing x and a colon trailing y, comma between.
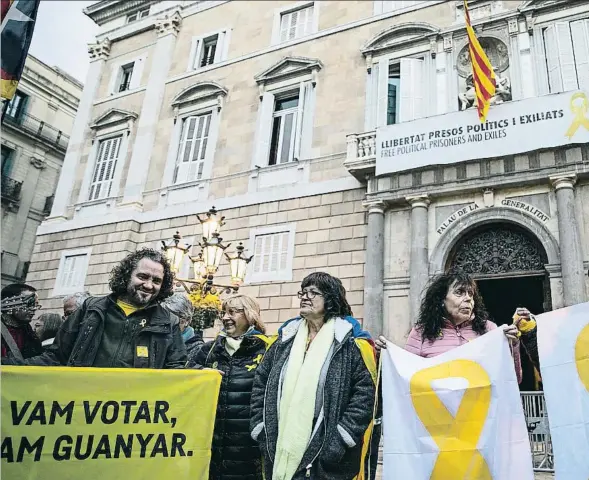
x: 207, y: 309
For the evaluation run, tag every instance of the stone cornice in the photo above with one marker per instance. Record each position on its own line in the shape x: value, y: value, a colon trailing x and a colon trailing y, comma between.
x: 106, y: 10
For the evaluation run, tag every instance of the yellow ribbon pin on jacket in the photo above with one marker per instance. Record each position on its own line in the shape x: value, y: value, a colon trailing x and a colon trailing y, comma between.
x: 580, y: 110
x: 456, y: 436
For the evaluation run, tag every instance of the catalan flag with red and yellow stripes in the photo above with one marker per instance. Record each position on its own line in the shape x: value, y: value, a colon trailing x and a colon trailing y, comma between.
x: 482, y: 71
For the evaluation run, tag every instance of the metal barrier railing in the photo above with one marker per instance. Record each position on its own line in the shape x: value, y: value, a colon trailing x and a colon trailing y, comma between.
x: 536, y: 415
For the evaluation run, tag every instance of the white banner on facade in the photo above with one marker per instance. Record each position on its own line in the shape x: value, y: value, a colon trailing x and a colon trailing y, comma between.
x: 563, y: 343
x: 511, y: 128
x: 456, y: 416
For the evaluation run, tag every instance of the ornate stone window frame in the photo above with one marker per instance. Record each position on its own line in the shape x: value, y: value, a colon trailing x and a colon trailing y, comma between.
x: 197, y: 99
x: 58, y: 288
x: 223, y: 40
x: 284, y: 275
x: 136, y: 78
x: 114, y: 122
x: 287, y: 75
x: 402, y: 41
x: 278, y: 12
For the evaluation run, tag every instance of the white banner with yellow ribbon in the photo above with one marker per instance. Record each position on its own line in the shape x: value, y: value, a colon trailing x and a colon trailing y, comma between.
x: 457, y: 416
x: 563, y: 343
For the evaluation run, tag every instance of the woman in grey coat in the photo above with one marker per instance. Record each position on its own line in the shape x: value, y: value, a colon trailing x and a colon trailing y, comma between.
x: 314, y: 391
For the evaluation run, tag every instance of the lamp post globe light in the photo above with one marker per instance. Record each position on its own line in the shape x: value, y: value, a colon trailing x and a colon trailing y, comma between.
x: 206, y: 263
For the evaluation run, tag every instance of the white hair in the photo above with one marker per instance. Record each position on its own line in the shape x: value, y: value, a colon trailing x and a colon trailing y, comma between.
x: 77, y: 297
x: 179, y: 304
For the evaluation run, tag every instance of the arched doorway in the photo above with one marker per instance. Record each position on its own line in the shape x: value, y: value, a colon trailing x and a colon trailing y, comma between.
x: 508, y: 263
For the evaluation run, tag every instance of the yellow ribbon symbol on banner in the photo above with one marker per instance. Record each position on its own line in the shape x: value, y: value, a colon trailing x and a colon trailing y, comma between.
x: 580, y: 111
x: 582, y: 356
x: 456, y: 437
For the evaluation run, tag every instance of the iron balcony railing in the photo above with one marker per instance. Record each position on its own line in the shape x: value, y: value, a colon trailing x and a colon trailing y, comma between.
x: 10, y: 189
x: 123, y: 87
x: 38, y: 128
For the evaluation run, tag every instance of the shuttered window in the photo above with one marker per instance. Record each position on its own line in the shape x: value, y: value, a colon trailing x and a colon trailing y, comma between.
x: 73, y: 271
x: 71, y: 274
x: 271, y: 253
x: 580, y: 37
x: 104, y: 170
x: 193, y: 148
x: 566, y: 48
x: 412, y: 89
x: 296, y: 23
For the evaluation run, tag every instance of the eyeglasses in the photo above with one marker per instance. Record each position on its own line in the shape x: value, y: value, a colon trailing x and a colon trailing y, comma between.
x: 310, y: 294
x: 234, y: 311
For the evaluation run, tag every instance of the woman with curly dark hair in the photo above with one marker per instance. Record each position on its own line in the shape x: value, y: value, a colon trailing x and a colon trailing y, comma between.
x: 314, y: 390
x: 452, y: 313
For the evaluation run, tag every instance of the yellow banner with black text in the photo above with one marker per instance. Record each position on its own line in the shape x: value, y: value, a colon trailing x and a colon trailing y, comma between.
x: 90, y: 423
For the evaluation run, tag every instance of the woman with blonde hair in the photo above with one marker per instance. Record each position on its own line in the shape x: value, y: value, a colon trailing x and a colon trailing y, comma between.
x: 236, y: 352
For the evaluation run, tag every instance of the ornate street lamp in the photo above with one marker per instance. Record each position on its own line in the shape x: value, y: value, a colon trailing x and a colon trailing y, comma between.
x: 175, y: 251
x: 213, y: 252
x: 238, y: 266
x: 206, y: 264
x: 199, y: 267
x: 211, y: 224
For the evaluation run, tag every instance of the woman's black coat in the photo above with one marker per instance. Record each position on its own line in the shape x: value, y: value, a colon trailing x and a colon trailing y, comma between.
x: 235, y: 456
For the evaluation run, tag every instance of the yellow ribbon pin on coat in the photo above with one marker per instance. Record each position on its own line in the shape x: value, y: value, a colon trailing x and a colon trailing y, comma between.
x: 456, y: 436
x: 580, y: 109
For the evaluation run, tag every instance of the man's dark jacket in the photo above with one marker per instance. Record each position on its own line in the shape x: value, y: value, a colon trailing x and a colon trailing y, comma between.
x: 100, y: 335
x: 234, y: 455
x: 343, y: 406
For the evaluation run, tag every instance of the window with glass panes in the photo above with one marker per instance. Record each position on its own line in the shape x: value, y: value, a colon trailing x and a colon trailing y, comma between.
x: 126, y: 74
x: 394, y: 93
x: 104, y: 170
x: 209, y: 47
x: 284, y: 125
x: 16, y: 107
x: 138, y: 15
x: 296, y: 23
x: 7, y: 157
x: 193, y: 148
x: 271, y: 253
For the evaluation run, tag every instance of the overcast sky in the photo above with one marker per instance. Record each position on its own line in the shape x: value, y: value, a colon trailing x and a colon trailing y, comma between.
x: 61, y: 35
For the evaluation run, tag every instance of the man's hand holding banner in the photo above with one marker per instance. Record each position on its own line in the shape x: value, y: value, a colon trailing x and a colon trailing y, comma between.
x: 457, y: 416
x: 99, y: 423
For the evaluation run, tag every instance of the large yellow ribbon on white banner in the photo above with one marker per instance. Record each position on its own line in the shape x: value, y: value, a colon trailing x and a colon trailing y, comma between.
x: 582, y: 356
x: 456, y: 436
x: 580, y: 110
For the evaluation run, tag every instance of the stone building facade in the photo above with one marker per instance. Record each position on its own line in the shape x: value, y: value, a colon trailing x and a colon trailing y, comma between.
x: 35, y: 134
x: 269, y: 112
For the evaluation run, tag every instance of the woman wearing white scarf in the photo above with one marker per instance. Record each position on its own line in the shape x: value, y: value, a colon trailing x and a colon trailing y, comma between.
x: 313, y: 392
